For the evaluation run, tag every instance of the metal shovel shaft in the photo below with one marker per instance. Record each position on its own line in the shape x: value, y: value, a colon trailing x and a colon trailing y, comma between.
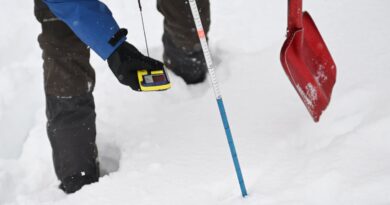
x: 294, y: 14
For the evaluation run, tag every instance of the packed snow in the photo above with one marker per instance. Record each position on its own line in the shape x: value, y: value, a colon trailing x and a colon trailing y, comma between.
x: 170, y: 148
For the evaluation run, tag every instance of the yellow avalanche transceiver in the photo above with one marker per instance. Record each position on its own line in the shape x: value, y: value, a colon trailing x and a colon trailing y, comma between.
x: 155, y: 80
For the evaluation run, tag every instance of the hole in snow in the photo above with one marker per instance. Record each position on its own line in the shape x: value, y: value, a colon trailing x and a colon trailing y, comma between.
x: 109, y: 157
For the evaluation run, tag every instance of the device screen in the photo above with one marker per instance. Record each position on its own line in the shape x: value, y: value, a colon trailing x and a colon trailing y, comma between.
x: 159, y: 78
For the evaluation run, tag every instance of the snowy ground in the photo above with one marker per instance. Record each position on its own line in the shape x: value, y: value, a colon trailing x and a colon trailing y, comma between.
x: 170, y: 148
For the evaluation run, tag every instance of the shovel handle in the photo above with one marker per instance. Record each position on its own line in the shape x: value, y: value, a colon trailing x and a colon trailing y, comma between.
x: 294, y: 15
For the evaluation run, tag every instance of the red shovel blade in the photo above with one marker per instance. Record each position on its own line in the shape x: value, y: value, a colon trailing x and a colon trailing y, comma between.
x: 309, y: 66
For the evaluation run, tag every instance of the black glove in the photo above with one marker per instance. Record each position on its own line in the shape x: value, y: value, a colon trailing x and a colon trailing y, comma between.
x: 126, y: 61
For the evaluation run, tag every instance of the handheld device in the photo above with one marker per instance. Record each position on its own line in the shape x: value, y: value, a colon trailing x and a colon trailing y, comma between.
x: 155, y: 80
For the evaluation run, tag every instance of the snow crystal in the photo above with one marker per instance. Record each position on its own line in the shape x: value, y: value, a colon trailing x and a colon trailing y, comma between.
x: 320, y: 76
x: 309, y: 95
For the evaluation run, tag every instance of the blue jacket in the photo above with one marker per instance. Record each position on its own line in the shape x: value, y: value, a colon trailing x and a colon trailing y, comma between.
x: 91, y: 21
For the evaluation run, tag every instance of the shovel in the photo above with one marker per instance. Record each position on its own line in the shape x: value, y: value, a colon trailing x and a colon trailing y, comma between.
x: 307, y: 61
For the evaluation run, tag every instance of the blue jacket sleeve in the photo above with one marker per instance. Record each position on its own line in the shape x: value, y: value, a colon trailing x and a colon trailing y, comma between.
x: 91, y: 21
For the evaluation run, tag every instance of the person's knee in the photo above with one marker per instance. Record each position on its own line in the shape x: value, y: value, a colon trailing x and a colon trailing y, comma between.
x: 68, y: 77
x: 179, y: 24
x: 67, y: 71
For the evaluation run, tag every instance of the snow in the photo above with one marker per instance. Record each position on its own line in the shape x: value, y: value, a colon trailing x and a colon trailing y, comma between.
x: 170, y: 147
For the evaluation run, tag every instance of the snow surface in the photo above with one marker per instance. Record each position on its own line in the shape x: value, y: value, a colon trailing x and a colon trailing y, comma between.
x: 170, y: 148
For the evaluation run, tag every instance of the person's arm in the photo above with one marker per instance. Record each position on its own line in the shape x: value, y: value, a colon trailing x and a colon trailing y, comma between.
x: 92, y: 22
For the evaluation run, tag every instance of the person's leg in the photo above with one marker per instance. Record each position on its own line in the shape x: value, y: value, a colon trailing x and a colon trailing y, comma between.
x: 69, y: 81
x: 182, y: 49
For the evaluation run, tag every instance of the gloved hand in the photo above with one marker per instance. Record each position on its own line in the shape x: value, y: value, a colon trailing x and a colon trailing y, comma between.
x: 126, y: 61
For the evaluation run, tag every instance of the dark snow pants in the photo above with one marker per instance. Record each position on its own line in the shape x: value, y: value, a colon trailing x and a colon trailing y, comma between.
x: 69, y: 81
x: 179, y: 24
